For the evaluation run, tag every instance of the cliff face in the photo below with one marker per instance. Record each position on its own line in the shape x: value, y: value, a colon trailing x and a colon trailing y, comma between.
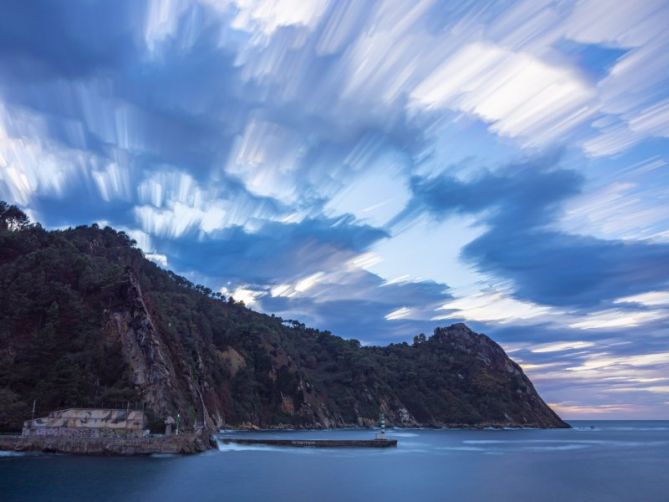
x: 86, y: 320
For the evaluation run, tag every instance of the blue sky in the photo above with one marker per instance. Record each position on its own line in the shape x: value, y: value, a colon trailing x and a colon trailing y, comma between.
x: 373, y: 168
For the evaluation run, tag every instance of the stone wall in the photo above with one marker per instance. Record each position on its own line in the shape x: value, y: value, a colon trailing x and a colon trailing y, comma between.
x: 181, y: 444
x: 83, y: 432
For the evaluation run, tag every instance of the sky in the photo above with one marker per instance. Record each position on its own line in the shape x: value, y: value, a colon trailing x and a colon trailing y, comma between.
x: 373, y: 168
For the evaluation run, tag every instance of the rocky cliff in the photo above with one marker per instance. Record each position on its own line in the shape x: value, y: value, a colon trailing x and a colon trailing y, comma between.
x: 86, y: 320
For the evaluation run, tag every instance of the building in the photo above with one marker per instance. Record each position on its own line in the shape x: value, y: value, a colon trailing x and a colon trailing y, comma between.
x: 88, y: 422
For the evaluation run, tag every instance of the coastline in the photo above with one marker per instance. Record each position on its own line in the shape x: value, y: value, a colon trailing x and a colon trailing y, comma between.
x: 319, y: 427
x: 192, y: 443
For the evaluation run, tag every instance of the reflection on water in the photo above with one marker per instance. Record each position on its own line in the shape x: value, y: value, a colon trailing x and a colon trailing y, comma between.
x: 595, y: 461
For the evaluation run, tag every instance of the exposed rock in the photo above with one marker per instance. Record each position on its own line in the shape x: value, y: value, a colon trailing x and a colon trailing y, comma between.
x: 232, y: 360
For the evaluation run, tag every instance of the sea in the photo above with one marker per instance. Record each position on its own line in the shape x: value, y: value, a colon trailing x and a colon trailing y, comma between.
x: 594, y: 461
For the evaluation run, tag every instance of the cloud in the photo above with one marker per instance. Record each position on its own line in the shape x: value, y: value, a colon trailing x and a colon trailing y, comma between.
x: 272, y: 253
x: 492, y: 306
x: 30, y: 164
x: 561, y: 269
x: 561, y: 346
x: 545, y: 266
x: 630, y: 129
x: 112, y: 182
x: 400, y: 313
x: 266, y: 157
x: 518, y: 94
x: 508, y: 194
x: 617, y: 318
x: 569, y: 409
x: 266, y: 16
x: 174, y: 203
x: 368, y: 317
x: 350, y: 299
x: 625, y: 208
x: 651, y: 299
x: 600, y: 361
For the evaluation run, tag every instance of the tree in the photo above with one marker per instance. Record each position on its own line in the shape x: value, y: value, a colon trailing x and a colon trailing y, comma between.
x: 418, y: 339
x: 12, y: 218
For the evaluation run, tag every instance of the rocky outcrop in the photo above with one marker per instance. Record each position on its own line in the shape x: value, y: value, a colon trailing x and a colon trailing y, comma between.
x: 144, y: 351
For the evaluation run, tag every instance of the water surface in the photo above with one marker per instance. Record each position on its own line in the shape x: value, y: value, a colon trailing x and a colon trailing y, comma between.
x: 595, y: 461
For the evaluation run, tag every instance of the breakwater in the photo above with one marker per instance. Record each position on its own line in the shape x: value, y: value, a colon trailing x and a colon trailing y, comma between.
x: 315, y: 443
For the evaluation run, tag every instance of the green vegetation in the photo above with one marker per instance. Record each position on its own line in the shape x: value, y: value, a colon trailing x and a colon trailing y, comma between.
x: 86, y: 320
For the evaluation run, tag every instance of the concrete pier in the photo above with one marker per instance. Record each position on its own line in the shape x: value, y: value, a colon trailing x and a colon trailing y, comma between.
x: 315, y: 443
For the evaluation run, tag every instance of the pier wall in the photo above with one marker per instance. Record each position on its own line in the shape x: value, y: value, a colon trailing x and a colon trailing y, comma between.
x: 181, y: 444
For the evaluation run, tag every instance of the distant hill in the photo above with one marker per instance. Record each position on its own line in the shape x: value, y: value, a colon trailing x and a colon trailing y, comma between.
x: 86, y: 320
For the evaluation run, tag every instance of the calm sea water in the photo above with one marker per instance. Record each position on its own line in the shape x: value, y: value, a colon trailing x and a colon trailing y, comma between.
x: 595, y: 461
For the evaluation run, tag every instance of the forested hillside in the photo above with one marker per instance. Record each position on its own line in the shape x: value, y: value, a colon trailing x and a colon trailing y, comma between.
x: 86, y: 320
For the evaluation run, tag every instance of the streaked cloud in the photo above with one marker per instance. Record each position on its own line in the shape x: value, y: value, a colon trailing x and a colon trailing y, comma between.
x: 492, y: 307
x: 571, y: 409
x: 656, y: 389
x: 561, y: 346
x: 651, y: 299
x: 617, y: 318
x: 518, y: 94
x: 267, y: 16
x: 400, y: 313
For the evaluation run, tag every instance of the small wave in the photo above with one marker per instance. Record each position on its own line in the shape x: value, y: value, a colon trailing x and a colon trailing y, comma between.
x: 403, y: 450
x: 7, y: 453
x: 564, y: 447
x: 226, y: 447
x: 528, y: 445
x: 404, y: 434
x: 637, y: 429
x: 409, y: 428
x: 563, y: 443
x: 521, y: 441
x: 244, y: 447
x: 459, y: 448
x: 490, y: 441
x: 619, y: 429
